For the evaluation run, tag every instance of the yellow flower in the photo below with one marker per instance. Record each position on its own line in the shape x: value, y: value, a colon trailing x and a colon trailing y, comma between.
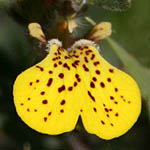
x: 51, y: 95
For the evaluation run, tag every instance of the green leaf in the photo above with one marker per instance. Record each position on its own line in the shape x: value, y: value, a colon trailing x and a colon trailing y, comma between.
x: 140, y: 73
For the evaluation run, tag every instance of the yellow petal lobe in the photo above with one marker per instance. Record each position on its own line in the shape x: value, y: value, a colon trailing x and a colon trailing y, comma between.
x: 51, y: 95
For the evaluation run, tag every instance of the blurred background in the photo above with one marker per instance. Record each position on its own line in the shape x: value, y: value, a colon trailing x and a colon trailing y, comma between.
x: 18, y: 51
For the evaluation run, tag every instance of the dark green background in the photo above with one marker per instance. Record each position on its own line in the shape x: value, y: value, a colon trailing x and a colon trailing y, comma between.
x: 131, y: 29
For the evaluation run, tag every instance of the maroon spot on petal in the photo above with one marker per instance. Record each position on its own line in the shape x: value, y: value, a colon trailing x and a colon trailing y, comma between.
x: 85, y: 68
x: 76, y: 56
x: 30, y: 83
x: 110, y: 109
x: 59, y: 53
x: 35, y: 110
x: 121, y: 96
x: 29, y: 98
x: 73, y: 65
x: 45, y: 101
x: 76, y: 62
x: 116, y: 114
x: 115, y: 102
x: 88, y: 52
x: 106, y: 110
x: 55, y: 53
x: 63, y: 102
x: 111, y: 97
x: 62, y: 111
x: 61, y: 75
x: 104, y: 105
x: 81, y: 110
x: 107, y: 115
x: 62, y: 88
x: 53, y: 59
x: 97, y: 72
x: 109, y: 79
x: 129, y: 102
x: 111, y: 124
x: 82, y: 48
x: 70, y: 88
x: 95, y: 109
x: 79, y: 47
x: 21, y: 104
x: 75, y: 84
x: 50, y: 72
x: 66, y: 66
x: 49, y: 113
x: 49, y: 82
x: 92, y: 85
x: 86, y: 47
x: 102, y: 122
x: 102, y: 84
x: 37, y: 81
x: 111, y: 70
x: 81, y: 53
x: 116, y: 89
x: 90, y: 95
x: 28, y: 109
x: 42, y: 93
x: 55, y: 65
x: 93, y: 56
x: 59, y: 62
x: 45, y: 119
x: 66, y: 57
x: 41, y: 69
x: 74, y: 52
x: 94, y: 79
x: 58, y: 50
x: 86, y: 60
x: 77, y: 77
x: 96, y: 63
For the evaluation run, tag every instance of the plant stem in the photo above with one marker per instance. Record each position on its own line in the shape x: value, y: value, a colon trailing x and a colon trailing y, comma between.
x: 92, y: 22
